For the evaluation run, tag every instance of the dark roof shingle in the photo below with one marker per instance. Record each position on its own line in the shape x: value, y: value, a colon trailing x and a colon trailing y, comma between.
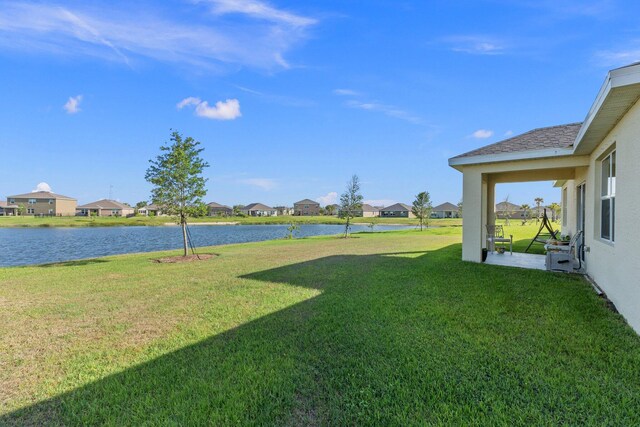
x: 41, y: 195
x: 105, y: 204
x: 446, y: 206
x: 562, y: 136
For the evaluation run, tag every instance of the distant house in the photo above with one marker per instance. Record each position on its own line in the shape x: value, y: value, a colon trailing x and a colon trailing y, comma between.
x: 45, y: 203
x: 367, y: 211
x: 513, y: 211
x: 258, y: 209
x: 105, y: 207
x: 306, y: 207
x: 8, y: 210
x: 216, y: 209
x: 150, y: 210
x: 283, y: 210
x: 445, y: 210
x: 399, y: 210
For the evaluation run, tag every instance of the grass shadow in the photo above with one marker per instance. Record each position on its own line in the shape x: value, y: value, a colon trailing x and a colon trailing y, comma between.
x: 75, y: 263
x: 392, y: 339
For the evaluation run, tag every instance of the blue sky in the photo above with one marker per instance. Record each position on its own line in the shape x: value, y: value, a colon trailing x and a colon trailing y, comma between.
x: 291, y: 98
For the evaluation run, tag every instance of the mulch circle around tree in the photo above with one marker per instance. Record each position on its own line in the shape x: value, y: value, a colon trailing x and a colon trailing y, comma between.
x: 180, y: 258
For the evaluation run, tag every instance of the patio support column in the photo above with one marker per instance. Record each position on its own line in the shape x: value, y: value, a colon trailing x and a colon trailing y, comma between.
x: 473, y: 215
x: 491, y: 201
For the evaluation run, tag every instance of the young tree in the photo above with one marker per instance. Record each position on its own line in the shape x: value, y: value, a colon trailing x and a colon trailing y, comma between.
x: 460, y: 209
x: 350, y: 202
x: 508, y: 211
x: 422, y: 208
x: 539, y: 201
x: 526, y: 209
x: 237, y: 210
x: 330, y: 209
x: 177, y: 179
x: 292, y: 229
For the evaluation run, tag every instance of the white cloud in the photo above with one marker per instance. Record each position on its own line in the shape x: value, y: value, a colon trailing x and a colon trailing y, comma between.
x: 42, y: 186
x: 227, y: 110
x: 259, y: 10
x: 263, y: 183
x: 72, y: 106
x: 508, y: 133
x: 123, y: 33
x: 345, y: 92
x: 328, y: 199
x: 482, y: 134
x: 380, y: 202
x: 477, y: 45
x: 388, y: 110
x: 619, y: 57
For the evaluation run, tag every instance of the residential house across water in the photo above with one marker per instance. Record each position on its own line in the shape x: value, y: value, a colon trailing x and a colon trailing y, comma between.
x: 306, y: 207
x: 105, y: 207
x: 445, y: 210
x: 258, y: 209
x: 216, y: 209
x: 7, y: 209
x: 44, y: 203
x: 399, y: 210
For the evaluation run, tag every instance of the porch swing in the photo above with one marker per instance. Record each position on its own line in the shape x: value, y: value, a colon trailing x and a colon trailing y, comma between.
x: 543, y: 236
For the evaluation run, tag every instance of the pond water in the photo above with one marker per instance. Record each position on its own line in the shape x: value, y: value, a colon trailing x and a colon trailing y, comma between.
x: 25, y: 246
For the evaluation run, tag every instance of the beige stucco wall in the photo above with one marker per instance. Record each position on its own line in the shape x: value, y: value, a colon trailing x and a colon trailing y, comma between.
x: 59, y: 207
x: 65, y: 207
x: 615, y: 267
x: 306, y: 209
x: 478, y: 186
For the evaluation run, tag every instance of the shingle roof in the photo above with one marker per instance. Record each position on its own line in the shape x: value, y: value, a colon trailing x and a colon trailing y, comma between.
x: 446, y: 206
x: 397, y: 207
x: 4, y: 204
x: 40, y: 195
x: 368, y: 208
x: 257, y: 207
x: 561, y: 136
x: 217, y: 205
x: 306, y: 202
x: 104, y: 204
x: 503, y: 206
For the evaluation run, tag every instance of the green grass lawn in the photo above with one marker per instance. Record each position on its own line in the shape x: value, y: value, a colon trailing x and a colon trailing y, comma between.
x: 380, y: 329
x: 30, y: 221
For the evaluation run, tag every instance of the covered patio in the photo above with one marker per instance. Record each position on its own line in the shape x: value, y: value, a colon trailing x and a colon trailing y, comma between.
x: 540, y: 155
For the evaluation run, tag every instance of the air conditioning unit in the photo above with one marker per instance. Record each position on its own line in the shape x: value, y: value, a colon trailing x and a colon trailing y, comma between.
x: 560, y: 261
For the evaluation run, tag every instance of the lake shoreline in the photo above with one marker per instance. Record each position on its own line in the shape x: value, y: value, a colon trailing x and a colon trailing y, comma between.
x: 22, y: 246
x: 164, y: 221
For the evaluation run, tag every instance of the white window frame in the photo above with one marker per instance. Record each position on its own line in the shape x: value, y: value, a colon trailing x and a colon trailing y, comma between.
x: 608, y: 193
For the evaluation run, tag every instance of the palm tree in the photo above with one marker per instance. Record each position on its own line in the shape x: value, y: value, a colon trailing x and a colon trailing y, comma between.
x: 526, y: 210
x: 539, y: 201
x: 555, y: 211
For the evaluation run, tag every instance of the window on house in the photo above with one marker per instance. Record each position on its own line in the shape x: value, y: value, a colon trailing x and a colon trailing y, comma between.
x: 12, y: 200
x: 32, y: 201
x: 31, y: 211
x: 608, y: 197
x: 50, y: 201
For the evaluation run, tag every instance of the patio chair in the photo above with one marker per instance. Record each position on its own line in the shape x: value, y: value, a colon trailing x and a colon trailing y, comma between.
x: 495, y: 234
x: 565, y: 248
